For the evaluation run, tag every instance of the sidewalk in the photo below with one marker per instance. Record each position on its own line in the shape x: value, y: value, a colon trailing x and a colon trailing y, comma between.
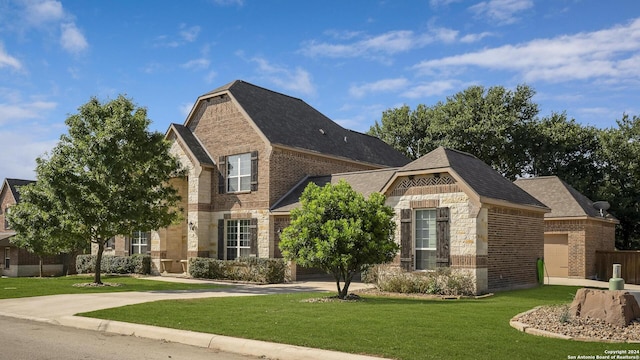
x: 60, y: 309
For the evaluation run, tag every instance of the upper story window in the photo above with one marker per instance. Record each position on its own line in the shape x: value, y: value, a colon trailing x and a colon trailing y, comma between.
x: 238, y: 173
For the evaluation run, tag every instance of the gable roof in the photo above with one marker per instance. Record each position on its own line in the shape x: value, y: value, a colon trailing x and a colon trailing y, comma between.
x: 192, y: 143
x: 14, y: 185
x: 481, y: 178
x: 290, y: 122
x: 364, y: 182
x: 562, y: 198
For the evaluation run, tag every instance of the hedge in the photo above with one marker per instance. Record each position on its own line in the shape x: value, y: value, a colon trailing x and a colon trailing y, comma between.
x: 134, y: 264
x: 264, y: 271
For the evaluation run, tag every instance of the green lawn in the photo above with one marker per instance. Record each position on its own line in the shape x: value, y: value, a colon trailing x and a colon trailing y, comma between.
x: 26, y: 287
x: 389, y: 327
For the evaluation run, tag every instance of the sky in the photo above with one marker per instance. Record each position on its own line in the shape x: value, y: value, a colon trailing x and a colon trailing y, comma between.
x: 351, y: 60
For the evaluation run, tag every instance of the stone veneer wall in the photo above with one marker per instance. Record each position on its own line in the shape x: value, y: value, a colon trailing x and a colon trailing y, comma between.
x: 515, y: 242
x: 6, y: 200
x: 585, y: 237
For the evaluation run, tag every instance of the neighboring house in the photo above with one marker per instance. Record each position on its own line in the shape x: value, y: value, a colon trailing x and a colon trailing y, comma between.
x: 244, y: 147
x: 574, y: 230
x: 452, y: 210
x: 18, y: 261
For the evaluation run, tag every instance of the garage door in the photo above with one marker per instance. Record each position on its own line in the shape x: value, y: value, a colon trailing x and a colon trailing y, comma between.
x: 556, y: 255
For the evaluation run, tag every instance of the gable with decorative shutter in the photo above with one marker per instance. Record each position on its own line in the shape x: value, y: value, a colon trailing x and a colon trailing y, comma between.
x: 254, y: 171
x: 222, y: 174
x: 443, y: 237
x: 406, y: 248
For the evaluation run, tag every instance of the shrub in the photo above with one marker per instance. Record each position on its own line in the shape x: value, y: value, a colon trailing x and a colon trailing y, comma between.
x: 136, y: 264
x: 265, y: 271
x: 443, y: 281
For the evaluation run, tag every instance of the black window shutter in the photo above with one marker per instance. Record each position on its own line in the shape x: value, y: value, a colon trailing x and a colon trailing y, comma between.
x: 405, y: 240
x: 221, y: 239
x: 254, y: 171
x: 222, y: 174
x: 443, y: 237
x: 253, y: 229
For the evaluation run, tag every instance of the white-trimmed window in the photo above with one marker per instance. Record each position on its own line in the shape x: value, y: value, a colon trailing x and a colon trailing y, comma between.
x: 7, y: 258
x: 140, y: 242
x: 238, y: 238
x: 425, y: 239
x: 239, y: 173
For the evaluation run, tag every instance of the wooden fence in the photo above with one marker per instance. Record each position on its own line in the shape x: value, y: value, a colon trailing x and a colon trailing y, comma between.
x: 630, y: 261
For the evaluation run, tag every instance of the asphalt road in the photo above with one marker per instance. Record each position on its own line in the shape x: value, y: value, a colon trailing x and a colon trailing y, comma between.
x: 29, y: 340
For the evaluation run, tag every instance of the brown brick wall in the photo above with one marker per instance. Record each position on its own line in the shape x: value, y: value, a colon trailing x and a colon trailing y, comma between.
x: 515, y: 242
x: 289, y: 167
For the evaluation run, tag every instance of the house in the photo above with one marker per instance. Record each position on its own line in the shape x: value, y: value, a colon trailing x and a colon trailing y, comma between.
x: 573, y: 231
x: 244, y: 148
x: 452, y: 210
x: 18, y: 261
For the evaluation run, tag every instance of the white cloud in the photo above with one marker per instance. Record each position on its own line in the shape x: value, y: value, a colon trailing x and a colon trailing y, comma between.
x: 196, y: 64
x: 8, y: 60
x: 298, y: 79
x: 22, y: 111
x: 470, y: 38
x: 385, y: 85
x: 72, y: 39
x: 438, y: 3
x: 189, y: 34
x: 611, y: 53
x: 25, y: 148
x: 185, y: 109
x: 501, y: 11
x: 431, y: 89
x: 39, y: 13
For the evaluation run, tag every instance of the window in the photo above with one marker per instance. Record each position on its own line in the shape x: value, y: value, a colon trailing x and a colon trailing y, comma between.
x: 140, y: 242
x: 239, y: 173
x: 425, y: 239
x: 238, y: 238
x: 7, y: 258
x: 6, y: 218
x: 111, y: 243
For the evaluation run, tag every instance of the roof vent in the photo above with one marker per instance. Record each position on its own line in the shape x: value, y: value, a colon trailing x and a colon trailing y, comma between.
x: 602, y: 206
x: 321, y: 131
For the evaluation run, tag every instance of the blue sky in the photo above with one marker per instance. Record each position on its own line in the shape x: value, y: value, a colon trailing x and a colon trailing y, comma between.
x: 351, y: 60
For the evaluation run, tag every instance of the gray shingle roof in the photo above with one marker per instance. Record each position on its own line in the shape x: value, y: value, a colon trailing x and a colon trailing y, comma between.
x: 364, y: 182
x: 562, y: 198
x: 14, y: 185
x: 291, y: 122
x: 190, y: 140
x: 482, y: 178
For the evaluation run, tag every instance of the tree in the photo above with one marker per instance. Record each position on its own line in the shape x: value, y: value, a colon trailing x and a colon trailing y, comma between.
x: 109, y: 175
x: 338, y: 230
x: 40, y: 225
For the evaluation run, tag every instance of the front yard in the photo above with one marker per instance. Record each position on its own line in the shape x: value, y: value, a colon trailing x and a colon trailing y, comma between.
x: 391, y: 327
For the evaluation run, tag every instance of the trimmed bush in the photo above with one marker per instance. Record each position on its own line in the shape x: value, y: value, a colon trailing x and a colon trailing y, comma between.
x: 135, y: 264
x: 264, y: 271
x: 443, y: 281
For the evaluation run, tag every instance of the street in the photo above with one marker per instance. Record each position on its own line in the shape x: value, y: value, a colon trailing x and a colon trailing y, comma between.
x: 30, y: 340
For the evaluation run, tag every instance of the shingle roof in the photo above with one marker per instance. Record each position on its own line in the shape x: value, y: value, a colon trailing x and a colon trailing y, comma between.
x: 14, y: 185
x: 364, y: 182
x: 190, y: 140
x: 291, y: 122
x: 562, y: 198
x: 482, y: 178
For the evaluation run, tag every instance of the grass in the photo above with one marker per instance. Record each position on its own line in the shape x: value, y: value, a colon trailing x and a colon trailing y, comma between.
x: 27, y: 287
x: 391, y: 327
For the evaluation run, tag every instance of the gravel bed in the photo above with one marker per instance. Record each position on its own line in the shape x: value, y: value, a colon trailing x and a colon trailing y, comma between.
x: 556, y: 319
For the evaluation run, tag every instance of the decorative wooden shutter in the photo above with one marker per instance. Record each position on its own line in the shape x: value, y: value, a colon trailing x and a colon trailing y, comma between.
x: 221, y: 239
x: 442, y: 237
x: 254, y: 171
x: 253, y: 230
x: 222, y: 174
x: 405, y: 240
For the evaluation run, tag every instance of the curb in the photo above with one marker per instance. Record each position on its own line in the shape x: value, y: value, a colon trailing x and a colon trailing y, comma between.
x: 229, y: 344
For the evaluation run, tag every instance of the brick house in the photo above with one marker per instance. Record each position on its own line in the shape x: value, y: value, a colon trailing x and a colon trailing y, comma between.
x: 18, y: 261
x: 452, y: 210
x: 573, y: 231
x: 244, y: 147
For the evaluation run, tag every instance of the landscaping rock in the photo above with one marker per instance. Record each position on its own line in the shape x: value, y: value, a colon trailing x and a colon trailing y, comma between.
x: 617, y: 307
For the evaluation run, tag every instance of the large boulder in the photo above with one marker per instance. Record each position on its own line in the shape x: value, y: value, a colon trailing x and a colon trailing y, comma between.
x: 617, y: 307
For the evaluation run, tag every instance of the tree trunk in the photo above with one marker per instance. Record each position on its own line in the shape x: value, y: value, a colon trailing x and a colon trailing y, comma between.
x: 96, y: 277
x: 345, y: 288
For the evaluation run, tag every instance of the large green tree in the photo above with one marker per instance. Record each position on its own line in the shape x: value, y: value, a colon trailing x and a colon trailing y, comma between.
x: 110, y: 174
x: 338, y: 230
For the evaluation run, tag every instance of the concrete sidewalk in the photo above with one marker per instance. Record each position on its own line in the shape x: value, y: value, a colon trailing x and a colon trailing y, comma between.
x: 61, y: 310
